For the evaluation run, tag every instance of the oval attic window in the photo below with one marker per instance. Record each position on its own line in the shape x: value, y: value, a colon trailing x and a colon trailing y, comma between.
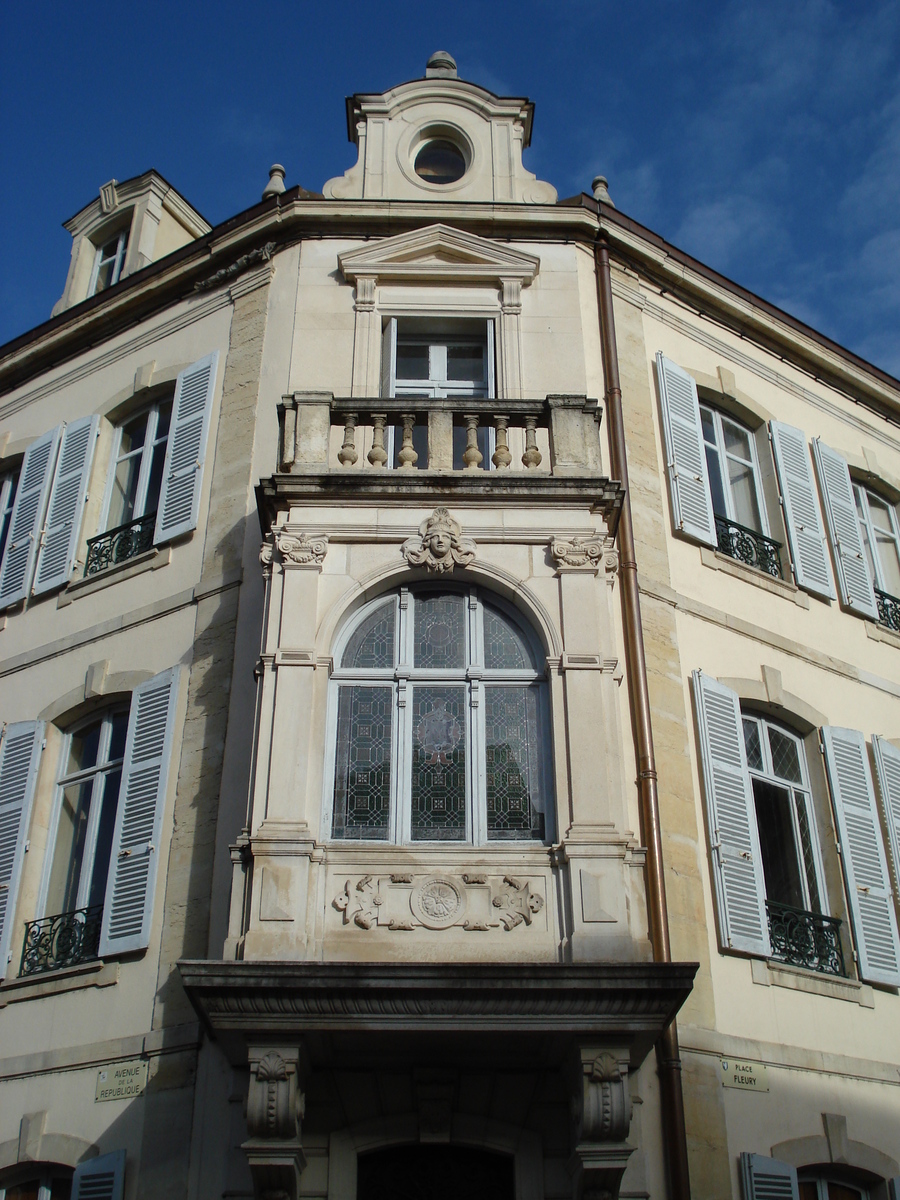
x: 440, y: 161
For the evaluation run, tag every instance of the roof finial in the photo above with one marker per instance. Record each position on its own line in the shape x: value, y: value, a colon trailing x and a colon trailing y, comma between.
x: 441, y: 65
x: 601, y: 191
x: 275, y: 186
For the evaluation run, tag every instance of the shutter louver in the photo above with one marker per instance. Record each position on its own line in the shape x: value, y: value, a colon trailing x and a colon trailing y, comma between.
x: 179, y: 501
x: 737, y: 862
x: 134, y: 860
x: 692, y: 509
x: 20, y: 753
x: 887, y: 767
x: 801, y: 510
x: 27, y: 517
x: 854, y: 582
x: 389, y: 357
x: 862, y: 855
x: 66, y: 508
x: 768, y: 1179
x: 101, y: 1178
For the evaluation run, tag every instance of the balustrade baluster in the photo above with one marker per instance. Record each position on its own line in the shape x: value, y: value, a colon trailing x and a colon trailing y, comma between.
x: 501, y: 458
x: 472, y: 456
x: 377, y: 456
x: 532, y: 456
x: 347, y: 455
x: 407, y: 456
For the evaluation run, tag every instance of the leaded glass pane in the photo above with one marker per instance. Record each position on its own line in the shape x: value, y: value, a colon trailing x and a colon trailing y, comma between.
x: 785, y: 761
x: 751, y: 741
x: 440, y: 630
x: 438, y: 790
x: 372, y: 643
x: 515, y: 805
x: 806, y: 852
x: 362, y: 773
x: 505, y: 649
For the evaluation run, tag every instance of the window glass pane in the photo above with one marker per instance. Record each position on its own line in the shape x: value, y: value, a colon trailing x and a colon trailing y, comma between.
x: 83, y: 747
x: 505, y: 649
x: 806, y: 851
x: 737, y: 440
x: 162, y: 421
x: 438, y: 789
x: 134, y: 434
x: 465, y: 362
x: 105, y: 832
x: 412, y: 360
x: 419, y: 443
x: 68, y: 852
x: 890, y: 562
x: 24, y: 1191
x: 372, y: 643
x: 781, y: 865
x: 124, y: 492
x: 154, y: 482
x: 117, y: 737
x: 709, y: 426
x: 751, y: 741
x: 743, y: 495
x: 862, y: 516
x: 440, y: 162
x: 785, y: 758
x: 362, y: 775
x: 808, y: 1190
x: 460, y: 441
x: 440, y: 630
x: 515, y: 805
x: 716, y: 487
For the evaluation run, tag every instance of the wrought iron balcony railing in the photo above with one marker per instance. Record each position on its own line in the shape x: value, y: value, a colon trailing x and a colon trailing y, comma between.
x: 888, y: 610
x: 805, y: 939
x: 748, y: 546
x: 119, y: 544
x: 61, y: 941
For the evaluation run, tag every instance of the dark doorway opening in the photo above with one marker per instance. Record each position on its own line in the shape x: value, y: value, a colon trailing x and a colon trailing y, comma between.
x: 435, y: 1173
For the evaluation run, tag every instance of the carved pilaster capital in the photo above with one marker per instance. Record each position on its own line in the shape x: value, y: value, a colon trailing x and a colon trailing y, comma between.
x: 579, y: 553
x: 275, y: 1106
x: 301, y: 550
x: 365, y: 293
x: 511, y: 295
x: 267, y: 556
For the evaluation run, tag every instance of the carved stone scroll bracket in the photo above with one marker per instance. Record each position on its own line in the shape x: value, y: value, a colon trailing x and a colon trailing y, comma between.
x: 440, y: 545
x: 275, y: 1107
x: 601, y: 1115
x: 301, y: 550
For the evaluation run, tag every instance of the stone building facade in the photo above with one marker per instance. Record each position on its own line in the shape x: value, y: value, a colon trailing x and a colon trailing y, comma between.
x: 382, y: 774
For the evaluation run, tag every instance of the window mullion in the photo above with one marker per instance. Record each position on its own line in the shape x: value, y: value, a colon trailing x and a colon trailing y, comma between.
x: 477, y: 801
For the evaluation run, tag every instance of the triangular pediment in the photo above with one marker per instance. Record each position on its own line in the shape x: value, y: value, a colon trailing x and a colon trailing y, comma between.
x: 436, y: 253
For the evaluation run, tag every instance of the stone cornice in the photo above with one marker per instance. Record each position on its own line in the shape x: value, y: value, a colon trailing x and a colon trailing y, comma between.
x: 631, y: 1001
x: 403, y: 489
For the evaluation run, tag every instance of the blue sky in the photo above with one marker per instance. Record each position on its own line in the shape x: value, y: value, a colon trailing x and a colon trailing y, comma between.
x: 764, y: 138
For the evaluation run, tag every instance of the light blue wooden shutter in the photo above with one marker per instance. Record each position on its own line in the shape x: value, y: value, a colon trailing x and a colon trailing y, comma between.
x: 768, y: 1179
x: 863, y: 859
x: 20, y: 754
x: 62, y: 528
x: 887, y: 768
x: 101, y: 1178
x: 685, y: 456
x: 134, y: 861
x: 854, y: 582
x: 801, y: 510
x: 179, y: 501
x: 389, y: 357
x: 737, y: 862
x: 894, y: 1188
x: 27, y: 518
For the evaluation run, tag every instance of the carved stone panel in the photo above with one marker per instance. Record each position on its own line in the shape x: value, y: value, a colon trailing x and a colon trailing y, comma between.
x: 473, y: 902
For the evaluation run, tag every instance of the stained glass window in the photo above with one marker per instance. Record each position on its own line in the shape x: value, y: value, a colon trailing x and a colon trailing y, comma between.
x: 362, y: 777
x: 451, y: 748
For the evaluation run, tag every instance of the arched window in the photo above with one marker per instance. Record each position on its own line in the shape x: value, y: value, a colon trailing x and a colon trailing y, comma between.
x: 440, y: 723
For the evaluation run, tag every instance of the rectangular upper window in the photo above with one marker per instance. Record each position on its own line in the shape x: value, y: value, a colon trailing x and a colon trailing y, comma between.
x: 880, y: 531
x: 109, y: 259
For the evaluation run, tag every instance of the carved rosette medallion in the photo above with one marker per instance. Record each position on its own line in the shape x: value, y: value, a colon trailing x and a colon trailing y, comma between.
x: 302, y: 550
x: 438, y: 902
x: 440, y: 545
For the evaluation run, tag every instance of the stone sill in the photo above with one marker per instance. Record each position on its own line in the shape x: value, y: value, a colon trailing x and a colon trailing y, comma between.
x: 730, y: 566
x: 880, y: 633
x: 51, y: 983
x: 150, y: 560
x: 770, y: 973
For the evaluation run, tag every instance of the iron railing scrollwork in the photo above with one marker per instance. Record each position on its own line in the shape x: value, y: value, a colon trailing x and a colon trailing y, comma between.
x: 888, y: 610
x: 805, y: 939
x: 748, y: 546
x: 119, y: 544
x: 61, y: 941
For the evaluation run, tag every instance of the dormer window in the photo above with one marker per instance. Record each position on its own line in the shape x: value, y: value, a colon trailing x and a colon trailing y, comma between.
x: 108, y: 263
x: 440, y: 161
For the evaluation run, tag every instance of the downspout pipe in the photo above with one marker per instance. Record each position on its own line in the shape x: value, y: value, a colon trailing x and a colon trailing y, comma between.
x: 667, y: 1053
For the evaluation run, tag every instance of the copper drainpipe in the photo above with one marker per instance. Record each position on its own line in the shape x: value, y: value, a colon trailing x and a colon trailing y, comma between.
x: 668, y: 1058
